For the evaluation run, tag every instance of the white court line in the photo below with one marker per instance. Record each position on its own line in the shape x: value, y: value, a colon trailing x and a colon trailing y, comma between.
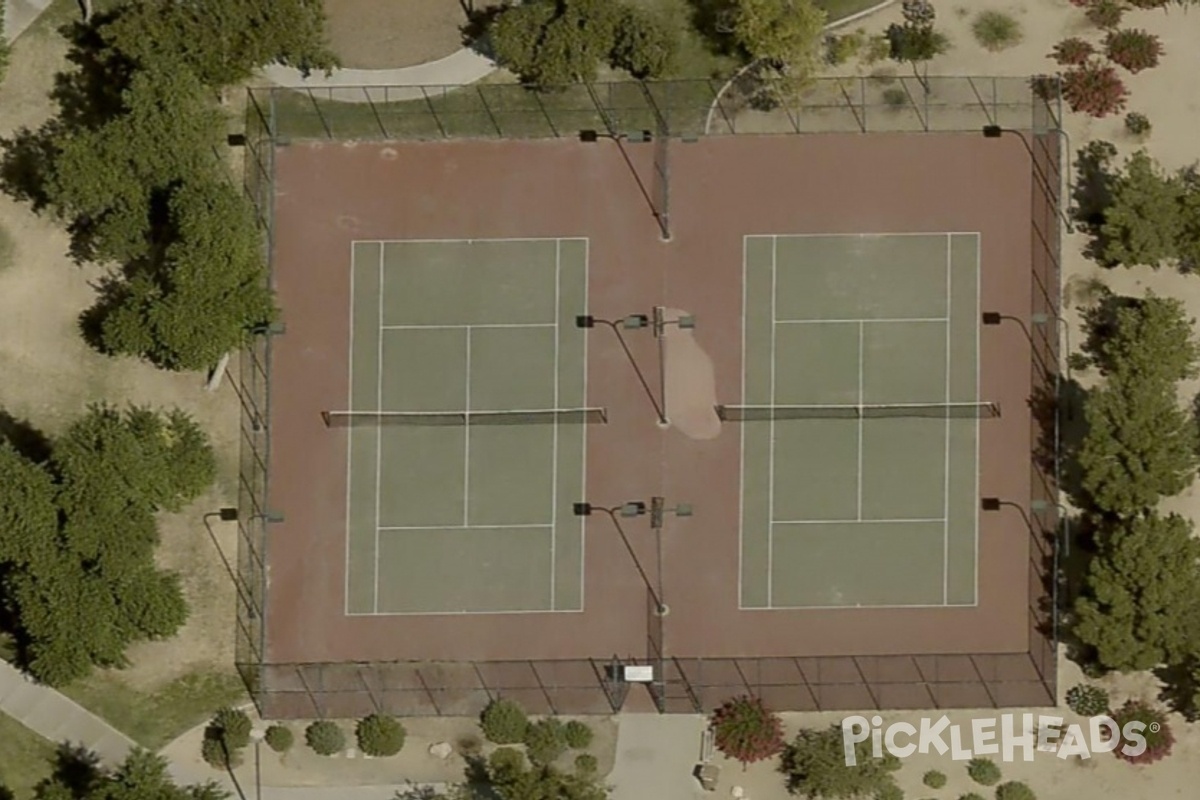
x: 473, y: 241
x: 978, y: 394
x: 859, y: 607
x: 771, y: 430
x: 587, y: 255
x: 742, y: 436
x: 472, y: 325
x: 467, y: 443
x: 378, y: 430
x: 860, y: 321
x: 481, y: 613
x: 554, y: 433
x: 930, y: 520
x: 861, y: 359
x: 855, y: 235
x: 505, y: 526
x: 946, y: 487
x: 349, y: 433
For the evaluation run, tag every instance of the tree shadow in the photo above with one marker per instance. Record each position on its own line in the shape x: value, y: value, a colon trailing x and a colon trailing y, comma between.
x: 479, y: 22
x: 111, y: 293
x: 25, y: 438
x: 1181, y: 688
x: 1062, y: 427
x: 713, y: 20
x: 24, y: 167
x: 77, y: 769
x: 1074, y: 563
x: 1092, y: 194
x: 91, y: 94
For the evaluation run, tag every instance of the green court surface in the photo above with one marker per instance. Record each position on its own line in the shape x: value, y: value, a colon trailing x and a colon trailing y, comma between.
x: 860, y: 506
x: 470, y: 517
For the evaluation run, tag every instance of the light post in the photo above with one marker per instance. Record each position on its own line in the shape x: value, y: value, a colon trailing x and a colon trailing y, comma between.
x: 996, y: 131
x: 657, y: 323
x: 660, y: 215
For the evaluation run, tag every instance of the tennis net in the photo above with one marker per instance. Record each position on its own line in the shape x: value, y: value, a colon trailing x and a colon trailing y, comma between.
x: 753, y: 413
x: 541, y: 416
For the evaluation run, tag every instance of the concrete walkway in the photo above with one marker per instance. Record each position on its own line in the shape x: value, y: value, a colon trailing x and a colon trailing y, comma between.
x: 20, y: 14
x: 464, y: 66
x: 655, y: 757
x: 58, y: 718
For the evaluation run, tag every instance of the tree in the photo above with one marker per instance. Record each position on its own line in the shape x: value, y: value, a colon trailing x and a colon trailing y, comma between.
x: 142, y: 776
x: 1187, y: 246
x: 324, y: 737
x: 645, y: 44
x: 512, y: 779
x: 108, y: 182
x: 786, y: 35
x: 1144, y: 220
x: 1147, y: 339
x: 208, y: 294
x: 917, y: 41
x: 555, y: 42
x: 380, y: 735
x: 504, y: 722
x: 1140, y: 603
x: 815, y: 765
x: 28, y: 514
x: 221, y: 41
x: 1140, y: 446
x: 745, y: 730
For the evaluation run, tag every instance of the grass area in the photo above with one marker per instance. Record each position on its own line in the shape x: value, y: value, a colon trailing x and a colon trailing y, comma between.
x: 6, y: 248
x: 25, y: 758
x: 155, y: 719
x: 840, y: 9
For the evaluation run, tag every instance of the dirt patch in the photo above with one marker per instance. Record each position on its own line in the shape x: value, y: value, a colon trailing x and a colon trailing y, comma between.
x: 369, y: 34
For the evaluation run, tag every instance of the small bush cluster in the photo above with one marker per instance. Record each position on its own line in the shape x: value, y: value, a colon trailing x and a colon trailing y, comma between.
x: 889, y: 792
x: 577, y: 734
x: 745, y: 730
x: 1073, y: 52
x: 934, y: 779
x: 1014, y: 790
x: 1105, y: 14
x: 971, y: 796
x: 279, y: 738
x: 1094, y: 89
x: 504, y: 722
x: 586, y: 764
x: 1159, y: 739
x: 225, y: 737
x: 380, y: 735
x: 1137, y: 124
x: 545, y: 741
x: 841, y: 48
x: 1134, y: 49
x: 1087, y: 700
x: 325, y: 737
x: 983, y: 771
x: 995, y: 30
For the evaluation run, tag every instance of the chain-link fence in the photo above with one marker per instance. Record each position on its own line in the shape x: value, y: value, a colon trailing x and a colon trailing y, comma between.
x: 683, y: 108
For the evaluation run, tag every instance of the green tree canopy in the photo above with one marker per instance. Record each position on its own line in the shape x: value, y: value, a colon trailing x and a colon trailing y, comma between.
x: 205, y: 296
x: 815, y: 765
x: 1140, y: 604
x: 221, y: 41
x: 142, y: 776
x: 788, y: 35
x: 28, y: 514
x: 109, y: 182
x: 1140, y: 446
x: 1144, y: 221
x: 1146, y: 339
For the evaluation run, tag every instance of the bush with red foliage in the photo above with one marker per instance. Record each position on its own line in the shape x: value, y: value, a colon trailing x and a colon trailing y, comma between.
x: 1073, y: 51
x: 1133, y: 49
x: 743, y: 729
x: 1105, y: 14
x: 1155, y: 730
x: 1094, y: 88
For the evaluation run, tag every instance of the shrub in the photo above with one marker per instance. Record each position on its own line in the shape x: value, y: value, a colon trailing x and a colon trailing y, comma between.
x: 545, y: 741
x: 325, y: 737
x: 645, y: 44
x: 577, y: 734
x: 971, y: 796
x: 840, y: 49
x: 1014, y: 790
x: 995, y: 30
x: 1094, y: 89
x: 4, y: 49
x: 217, y: 754
x: 745, y: 730
x: 585, y: 764
x: 934, y: 779
x: 279, y: 738
x: 1105, y: 14
x: 1137, y: 124
x: 1134, y: 49
x: 1087, y: 701
x: 468, y: 745
x: 889, y: 792
x: 1156, y: 731
x: 895, y: 98
x: 380, y: 735
x: 1073, y: 51
x: 505, y: 763
x: 504, y: 722
x: 232, y: 726
x: 983, y: 771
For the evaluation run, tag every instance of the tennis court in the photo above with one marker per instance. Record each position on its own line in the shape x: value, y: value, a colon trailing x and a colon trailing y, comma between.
x: 466, y: 426
x: 860, y: 420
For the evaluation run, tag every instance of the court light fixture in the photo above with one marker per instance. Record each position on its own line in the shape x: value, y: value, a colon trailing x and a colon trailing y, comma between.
x: 684, y: 322
x: 991, y: 503
x: 992, y: 317
x: 659, y: 509
x: 633, y: 508
x: 588, y: 136
x: 232, y: 515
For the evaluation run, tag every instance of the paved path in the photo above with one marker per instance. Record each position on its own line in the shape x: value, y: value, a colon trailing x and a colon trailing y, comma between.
x: 655, y: 757
x: 57, y: 717
x: 464, y: 66
x: 20, y: 14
